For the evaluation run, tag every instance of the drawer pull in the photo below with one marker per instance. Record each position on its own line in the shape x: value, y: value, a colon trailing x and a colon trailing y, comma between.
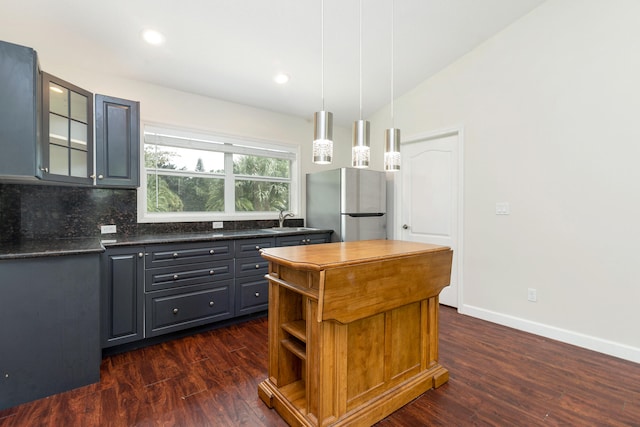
x: 210, y: 303
x: 140, y: 254
x: 175, y: 277
x: 257, y: 266
x: 308, y: 240
x: 257, y: 248
x: 257, y: 294
x: 175, y: 311
x: 211, y: 251
x: 175, y: 254
x: 211, y: 272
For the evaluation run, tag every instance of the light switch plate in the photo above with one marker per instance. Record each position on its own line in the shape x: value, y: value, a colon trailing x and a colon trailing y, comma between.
x: 107, y: 229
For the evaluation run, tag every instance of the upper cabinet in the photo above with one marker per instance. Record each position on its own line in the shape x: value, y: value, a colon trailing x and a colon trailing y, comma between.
x: 47, y: 128
x: 117, y: 142
x: 19, y: 111
x: 67, y: 128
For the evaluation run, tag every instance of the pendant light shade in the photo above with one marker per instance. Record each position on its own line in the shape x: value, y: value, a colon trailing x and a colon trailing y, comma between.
x: 392, y: 149
x: 360, y: 152
x: 322, y: 120
x: 392, y: 135
x: 322, y: 137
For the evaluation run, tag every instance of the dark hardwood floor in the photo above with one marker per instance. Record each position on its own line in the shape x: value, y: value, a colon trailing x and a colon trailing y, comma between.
x: 498, y: 377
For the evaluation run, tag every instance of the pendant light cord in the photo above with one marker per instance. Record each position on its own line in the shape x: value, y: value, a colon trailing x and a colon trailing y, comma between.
x: 360, y: 49
x: 392, y: 79
x: 322, y: 50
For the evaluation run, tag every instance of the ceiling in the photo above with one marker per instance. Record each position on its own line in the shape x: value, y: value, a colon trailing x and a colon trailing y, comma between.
x: 231, y: 49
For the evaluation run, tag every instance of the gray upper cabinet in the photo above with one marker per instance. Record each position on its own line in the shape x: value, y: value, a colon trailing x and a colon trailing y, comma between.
x: 47, y: 128
x: 117, y: 142
x: 20, y: 104
x: 67, y: 132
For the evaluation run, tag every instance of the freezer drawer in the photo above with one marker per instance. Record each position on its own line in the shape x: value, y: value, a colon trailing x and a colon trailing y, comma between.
x: 363, y: 227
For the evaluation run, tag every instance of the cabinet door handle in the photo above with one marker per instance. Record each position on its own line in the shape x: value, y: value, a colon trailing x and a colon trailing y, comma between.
x: 210, y: 303
x: 211, y: 251
x: 45, y: 170
x: 175, y: 311
x: 211, y: 272
x: 140, y: 254
x: 175, y: 277
x: 257, y: 266
x: 257, y: 248
x: 257, y: 294
x: 175, y: 254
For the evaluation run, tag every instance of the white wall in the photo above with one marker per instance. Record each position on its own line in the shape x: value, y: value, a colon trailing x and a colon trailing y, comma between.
x: 550, y: 108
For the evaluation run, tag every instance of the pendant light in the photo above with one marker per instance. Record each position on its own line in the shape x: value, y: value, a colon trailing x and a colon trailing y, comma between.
x: 360, y: 152
x: 322, y: 120
x: 392, y: 135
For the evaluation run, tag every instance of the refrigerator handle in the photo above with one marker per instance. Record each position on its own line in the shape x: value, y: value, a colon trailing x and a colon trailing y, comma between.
x: 362, y: 215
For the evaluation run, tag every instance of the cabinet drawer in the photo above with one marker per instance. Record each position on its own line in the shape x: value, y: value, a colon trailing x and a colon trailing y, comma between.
x: 252, y: 294
x: 249, y: 248
x: 186, y: 275
x: 303, y: 239
x: 188, y: 253
x: 251, y: 267
x: 172, y: 310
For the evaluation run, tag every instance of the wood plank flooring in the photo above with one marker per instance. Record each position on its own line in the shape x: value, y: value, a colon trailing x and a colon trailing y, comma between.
x: 498, y: 377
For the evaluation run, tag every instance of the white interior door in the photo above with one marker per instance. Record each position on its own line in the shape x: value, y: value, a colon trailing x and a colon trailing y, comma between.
x: 431, y: 211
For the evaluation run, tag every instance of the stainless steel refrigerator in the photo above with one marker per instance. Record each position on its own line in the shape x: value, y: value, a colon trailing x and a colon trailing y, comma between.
x: 352, y: 202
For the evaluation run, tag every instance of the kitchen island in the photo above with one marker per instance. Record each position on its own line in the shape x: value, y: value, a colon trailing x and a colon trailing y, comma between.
x: 353, y: 329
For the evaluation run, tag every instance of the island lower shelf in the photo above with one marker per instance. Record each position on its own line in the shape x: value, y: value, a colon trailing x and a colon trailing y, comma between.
x: 353, y: 337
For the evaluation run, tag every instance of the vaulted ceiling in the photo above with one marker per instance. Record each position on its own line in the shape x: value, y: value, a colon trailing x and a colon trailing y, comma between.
x: 231, y: 49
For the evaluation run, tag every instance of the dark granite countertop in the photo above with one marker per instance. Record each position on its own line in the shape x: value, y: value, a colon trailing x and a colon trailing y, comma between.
x: 60, y: 247
x: 49, y: 247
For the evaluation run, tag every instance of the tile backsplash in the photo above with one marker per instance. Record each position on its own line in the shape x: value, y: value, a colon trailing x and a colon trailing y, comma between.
x: 53, y: 212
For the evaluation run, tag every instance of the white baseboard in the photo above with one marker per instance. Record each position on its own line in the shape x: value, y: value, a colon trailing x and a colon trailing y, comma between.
x: 611, y: 348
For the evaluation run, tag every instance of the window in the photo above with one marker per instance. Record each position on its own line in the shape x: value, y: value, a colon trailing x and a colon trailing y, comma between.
x: 189, y: 176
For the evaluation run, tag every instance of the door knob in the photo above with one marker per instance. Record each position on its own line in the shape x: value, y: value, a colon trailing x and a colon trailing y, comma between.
x: 405, y: 227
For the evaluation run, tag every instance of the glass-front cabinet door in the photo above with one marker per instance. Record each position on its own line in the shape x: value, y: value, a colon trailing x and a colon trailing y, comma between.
x: 67, y: 149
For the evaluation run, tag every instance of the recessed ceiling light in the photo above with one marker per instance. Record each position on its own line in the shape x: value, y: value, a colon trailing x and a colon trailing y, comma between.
x: 281, y: 78
x: 153, y: 37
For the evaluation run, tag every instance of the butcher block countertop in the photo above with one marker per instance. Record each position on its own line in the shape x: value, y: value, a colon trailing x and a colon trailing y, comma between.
x: 346, y: 253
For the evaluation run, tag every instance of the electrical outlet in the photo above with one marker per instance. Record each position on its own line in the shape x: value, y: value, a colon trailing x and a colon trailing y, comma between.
x: 217, y: 224
x: 532, y: 295
x: 107, y: 229
x: 502, y: 208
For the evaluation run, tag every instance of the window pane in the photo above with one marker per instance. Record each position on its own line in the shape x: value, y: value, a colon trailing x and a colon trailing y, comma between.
x: 79, y: 136
x: 58, y: 99
x: 58, y: 130
x: 78, y: 107
x: 58, y: 160
x: 184, y: 194
x: 184, y: 159
x: 79, y: 163
x: 261, y: 196
x: 261, y: 166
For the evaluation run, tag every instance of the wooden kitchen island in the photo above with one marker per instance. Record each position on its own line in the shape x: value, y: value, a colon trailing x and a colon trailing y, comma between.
x: 353, y: 329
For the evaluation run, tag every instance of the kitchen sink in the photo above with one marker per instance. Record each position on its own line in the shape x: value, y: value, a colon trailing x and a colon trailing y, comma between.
x: 286, y: 229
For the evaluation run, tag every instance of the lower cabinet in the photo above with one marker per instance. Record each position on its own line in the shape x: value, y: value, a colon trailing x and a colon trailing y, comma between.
x: 252, y: 289
x: 48, y: 322
x: 153, y: 290
x: 122, y: 293
x: 184, y: 307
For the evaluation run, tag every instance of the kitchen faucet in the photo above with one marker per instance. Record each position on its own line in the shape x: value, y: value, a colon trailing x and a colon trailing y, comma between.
x: 282, y: 216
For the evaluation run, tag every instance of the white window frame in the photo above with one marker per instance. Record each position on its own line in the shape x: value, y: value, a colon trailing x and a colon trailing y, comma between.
x: 172, y: 136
